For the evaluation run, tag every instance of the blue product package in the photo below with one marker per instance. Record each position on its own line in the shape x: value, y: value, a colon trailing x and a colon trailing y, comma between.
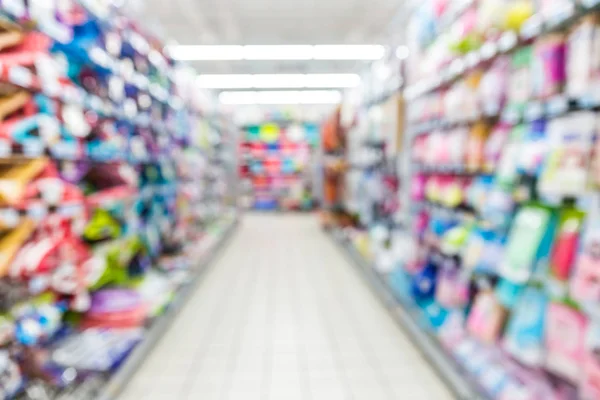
x: 508, y: 293
x: 524, y: 337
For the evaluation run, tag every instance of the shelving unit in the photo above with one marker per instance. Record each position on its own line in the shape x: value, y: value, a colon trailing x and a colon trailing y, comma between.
x: 117, y: 382
x: 277, y: 166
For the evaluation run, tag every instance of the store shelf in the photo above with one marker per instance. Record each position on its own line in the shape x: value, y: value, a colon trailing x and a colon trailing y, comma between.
x: 408, y: 317
x: 505, y: 43
x: 119, y: 380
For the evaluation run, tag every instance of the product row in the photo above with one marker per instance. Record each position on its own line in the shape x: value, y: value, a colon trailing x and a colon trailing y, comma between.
x: 276, y: 162
x: 112, y: 190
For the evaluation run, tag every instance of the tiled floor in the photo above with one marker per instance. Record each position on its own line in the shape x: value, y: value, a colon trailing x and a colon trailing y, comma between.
x: 282, y: 315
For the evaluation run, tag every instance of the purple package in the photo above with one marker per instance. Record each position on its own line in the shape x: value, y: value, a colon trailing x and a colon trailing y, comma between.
x: 73, y: 171
x: 111, y: 300
x: 549, y: 73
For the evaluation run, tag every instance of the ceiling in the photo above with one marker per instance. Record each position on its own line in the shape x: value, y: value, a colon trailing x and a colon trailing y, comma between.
x: 224, y: 22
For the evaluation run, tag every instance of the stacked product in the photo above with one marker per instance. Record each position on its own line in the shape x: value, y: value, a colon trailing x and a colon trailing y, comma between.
x: 363, y: 145
x: 99, y: 197
x: 505, y: 194
x: 276, y: 159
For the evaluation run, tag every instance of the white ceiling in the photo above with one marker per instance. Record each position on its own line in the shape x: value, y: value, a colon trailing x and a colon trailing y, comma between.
x: 210, y: 22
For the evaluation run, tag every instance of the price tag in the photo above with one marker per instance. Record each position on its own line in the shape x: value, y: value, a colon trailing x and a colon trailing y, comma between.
x: 65, y: 150
x: 507, y: 41
x: 457, y: 67
x: 37, y: 211
x: 96, y: 103
x: 116, y: 89
x: 33, y: 147
x: 15, y: 8
x: 5, y: 148
x: 472, y: 59
x: 20, y: 76
x: 561, y: 15
x: 49, y: 128
x: 558, y: 105
x: 535, y: 110
x: 10, y: 217
x: 489, y: 50
x: 531, y: 28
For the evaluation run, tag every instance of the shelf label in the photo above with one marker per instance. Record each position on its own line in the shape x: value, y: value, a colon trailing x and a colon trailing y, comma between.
x: 560, y: 16
x: 531, y: 28
x: 20, y: 76
x: 10, y: 217
x: 489, y: 50
x: 507, y: 41
x: 535, y: 110
x: 5, y: 148
x: 14, y: 7
x: 33, y: 147
x: 472, y: 59
x: 37, y: 211
x: 65, y: 150
x: 558, y: 105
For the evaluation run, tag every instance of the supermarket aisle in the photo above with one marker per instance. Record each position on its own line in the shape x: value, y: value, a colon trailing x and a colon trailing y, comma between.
x: 281, y: 315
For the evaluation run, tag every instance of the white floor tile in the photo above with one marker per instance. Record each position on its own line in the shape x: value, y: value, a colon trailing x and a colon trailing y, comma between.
x: 281, y: 315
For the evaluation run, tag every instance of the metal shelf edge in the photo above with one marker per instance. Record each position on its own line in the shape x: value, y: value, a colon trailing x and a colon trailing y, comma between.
x: 116, y: 384
x: 446, y: 367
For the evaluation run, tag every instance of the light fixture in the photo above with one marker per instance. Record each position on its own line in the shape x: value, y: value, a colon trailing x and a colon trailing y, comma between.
x: 291, y: 52
x: 348, y: 52
x: 276, y: 52
x: 283, y: 81
x: 228, y: 81
x: 281, y: 97
x: 206, y: 53
x: 402, y: 52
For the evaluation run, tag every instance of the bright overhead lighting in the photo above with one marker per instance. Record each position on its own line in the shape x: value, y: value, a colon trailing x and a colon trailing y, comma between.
x: 292, y: 52
x: 281, y: 97
x: 349, y: 52
x: 283, y: 81
x: 206, y: 53
x: 277, y: 52
x: 332, y: 80
x: 402, y: 52
x: 278, y: 81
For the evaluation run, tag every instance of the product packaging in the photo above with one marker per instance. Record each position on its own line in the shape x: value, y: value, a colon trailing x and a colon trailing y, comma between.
x: 524, y: 336
x: 486, y: 318
x: 565, y: 338
x: 529, y: 242
x: 570, y: 139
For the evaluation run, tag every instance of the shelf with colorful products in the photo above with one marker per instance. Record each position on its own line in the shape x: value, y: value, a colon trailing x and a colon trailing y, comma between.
x: 275, y: 160
x: 514, y: 141
x: 99, y: 226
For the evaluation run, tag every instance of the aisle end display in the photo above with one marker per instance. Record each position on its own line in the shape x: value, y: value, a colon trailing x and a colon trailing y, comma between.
x: 276, y: 163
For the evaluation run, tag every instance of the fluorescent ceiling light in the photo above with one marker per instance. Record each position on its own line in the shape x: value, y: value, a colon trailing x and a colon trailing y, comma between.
x: 228, y: 81
x: 278, y: 81
x: 348, y: 52
x: 206, y: 53
x: 332, y: 80
x: 283, y: 81
x: 292, y: 52
x: 281, y: 97
x: 402, y: 52
x: 277, y: 52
